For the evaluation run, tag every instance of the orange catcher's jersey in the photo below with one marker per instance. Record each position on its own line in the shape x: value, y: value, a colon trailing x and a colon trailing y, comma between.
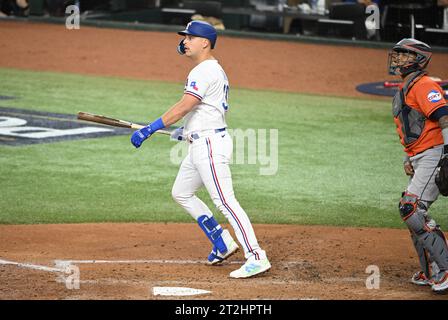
x: 425, y: 96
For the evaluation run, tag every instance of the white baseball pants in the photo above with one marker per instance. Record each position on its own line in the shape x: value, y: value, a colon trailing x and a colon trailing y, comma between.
x: 207, y: 164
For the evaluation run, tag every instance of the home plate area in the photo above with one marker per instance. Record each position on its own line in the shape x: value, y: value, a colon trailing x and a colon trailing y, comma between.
x: 154, y: 262
x: 153, y: 279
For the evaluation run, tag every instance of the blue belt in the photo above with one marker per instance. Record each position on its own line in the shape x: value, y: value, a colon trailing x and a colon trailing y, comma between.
x: 196, y: 136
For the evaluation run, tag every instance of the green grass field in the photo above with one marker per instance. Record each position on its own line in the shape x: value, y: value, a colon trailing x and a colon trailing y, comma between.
x: 339, y: 159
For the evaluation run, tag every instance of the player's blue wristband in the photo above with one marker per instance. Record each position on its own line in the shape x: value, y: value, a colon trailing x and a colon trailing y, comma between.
x: 157, y: 125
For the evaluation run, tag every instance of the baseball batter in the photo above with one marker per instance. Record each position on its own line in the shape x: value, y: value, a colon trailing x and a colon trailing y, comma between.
x: 203, y: 106
x: 421, y: 116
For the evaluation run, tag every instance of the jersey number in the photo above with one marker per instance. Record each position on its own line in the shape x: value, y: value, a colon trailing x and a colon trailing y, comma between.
x: 226, y: 97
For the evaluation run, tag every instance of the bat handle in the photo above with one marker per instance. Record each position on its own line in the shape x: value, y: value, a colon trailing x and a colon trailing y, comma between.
x: 136, y: 126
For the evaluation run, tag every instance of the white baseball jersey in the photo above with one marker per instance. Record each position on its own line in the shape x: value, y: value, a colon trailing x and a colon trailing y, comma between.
x: 207, y: 82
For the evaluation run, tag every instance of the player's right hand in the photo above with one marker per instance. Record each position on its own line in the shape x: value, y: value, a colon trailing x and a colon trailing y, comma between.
x: 408, y: 169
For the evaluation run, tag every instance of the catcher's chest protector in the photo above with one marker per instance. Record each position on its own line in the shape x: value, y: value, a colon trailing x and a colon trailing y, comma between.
x: 410, y: 121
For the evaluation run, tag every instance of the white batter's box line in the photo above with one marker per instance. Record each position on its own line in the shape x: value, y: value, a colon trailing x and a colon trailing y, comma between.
x: 66, y: 263
x: 63, y: 266
x: 152, y: 283
x: 110, y: 281
x: 32, y: 266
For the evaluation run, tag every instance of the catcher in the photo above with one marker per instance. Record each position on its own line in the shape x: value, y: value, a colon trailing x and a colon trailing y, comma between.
x: 421, y: 116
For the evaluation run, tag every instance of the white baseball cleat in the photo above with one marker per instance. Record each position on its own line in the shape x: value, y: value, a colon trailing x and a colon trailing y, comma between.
x: 216, y: 257
x: 251, y: 268
x: 440, y: 284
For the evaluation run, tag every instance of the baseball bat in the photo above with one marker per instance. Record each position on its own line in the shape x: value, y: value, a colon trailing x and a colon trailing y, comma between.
x: 86, y: 116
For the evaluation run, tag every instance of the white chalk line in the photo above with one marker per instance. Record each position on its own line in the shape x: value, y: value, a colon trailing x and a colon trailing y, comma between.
x: 181, y: 262
x: 66, y: 263
x: 111, y: 281
x: 61, y: 266
x: 31, y: 266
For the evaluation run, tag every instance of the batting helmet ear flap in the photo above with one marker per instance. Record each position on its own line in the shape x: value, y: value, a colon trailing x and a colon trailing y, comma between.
x: 181, y: 47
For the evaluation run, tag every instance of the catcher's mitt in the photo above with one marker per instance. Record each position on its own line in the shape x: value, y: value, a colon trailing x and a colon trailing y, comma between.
x: 442, y: 176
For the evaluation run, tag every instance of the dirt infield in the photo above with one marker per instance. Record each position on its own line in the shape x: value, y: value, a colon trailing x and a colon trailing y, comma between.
x: 125, y: 261
x: 309, y: 262
x: 256, y: 64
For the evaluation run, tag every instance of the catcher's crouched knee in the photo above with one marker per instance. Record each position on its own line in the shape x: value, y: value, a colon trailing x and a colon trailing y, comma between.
x: 407, y: 205
x: 413, y: 212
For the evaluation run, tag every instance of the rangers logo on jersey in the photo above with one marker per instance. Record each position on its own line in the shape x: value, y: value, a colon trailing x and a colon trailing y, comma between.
x: 193, y: 85
x: 434, y: 96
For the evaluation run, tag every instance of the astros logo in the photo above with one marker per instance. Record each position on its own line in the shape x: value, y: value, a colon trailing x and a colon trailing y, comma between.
x: 193, y: 85
x: 434, y: 96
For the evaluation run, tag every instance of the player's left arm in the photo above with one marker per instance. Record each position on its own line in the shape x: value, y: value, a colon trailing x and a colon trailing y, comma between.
x: 435, y: 104
x: 174, y: 114
x: 195, y: 88
x: 180, y: 109
x: 443, y: 123
x: 431, y: 102
x: 441, y: 178
x: 430, y: 99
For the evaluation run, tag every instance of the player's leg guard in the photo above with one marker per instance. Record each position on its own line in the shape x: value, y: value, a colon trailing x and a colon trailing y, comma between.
x: 213, y: 231
x: 427, y: 234
x: 215, y: 256
x: 428, y: 268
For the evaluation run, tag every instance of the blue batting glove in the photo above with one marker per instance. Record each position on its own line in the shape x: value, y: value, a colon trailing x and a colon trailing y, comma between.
x: 144, y: 133
x: 141, y: 135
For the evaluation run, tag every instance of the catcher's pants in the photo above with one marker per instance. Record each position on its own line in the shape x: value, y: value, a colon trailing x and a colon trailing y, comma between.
x: 422, y: 184
x: 207, y: 164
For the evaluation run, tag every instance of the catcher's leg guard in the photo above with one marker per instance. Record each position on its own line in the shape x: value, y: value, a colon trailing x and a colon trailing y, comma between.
x: 213, y: 231
x: 428, y: 267
x: 423, y: 256
x: 427, y: 234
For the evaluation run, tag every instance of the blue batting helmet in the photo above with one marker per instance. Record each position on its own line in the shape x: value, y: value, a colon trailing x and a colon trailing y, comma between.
x: 201, y: 29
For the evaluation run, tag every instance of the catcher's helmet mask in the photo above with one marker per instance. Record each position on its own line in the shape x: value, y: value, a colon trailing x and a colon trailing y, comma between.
x: 418, y: 60
x: 198, y: 29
